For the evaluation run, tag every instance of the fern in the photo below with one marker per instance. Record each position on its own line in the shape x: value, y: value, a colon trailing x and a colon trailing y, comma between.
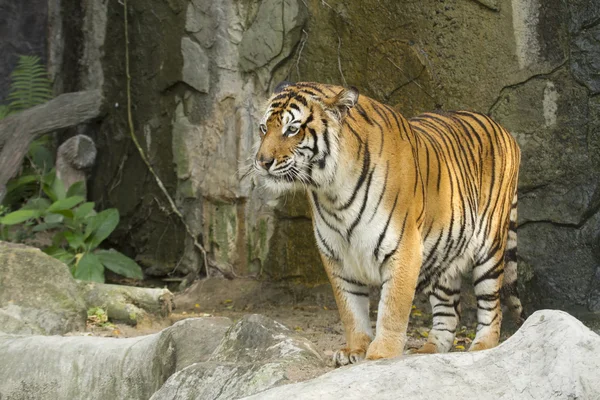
x: 30, y: 85
x: 4, y: 111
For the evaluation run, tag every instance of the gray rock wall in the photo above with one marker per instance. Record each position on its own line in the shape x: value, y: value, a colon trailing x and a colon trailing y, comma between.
x: 201, y: 70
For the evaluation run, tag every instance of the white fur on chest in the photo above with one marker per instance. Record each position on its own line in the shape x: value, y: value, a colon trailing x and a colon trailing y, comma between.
x: 360, y: 243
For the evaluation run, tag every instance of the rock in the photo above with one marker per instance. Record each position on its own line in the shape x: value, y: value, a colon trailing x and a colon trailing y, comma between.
x: 256, y: 354
x: 201, y: 22
x: 585, y: 58
x: 553, y: 355
x: 491, y: 4
x: 272, y: 36
x: 39, y: 367
x: 127, y: 304
x: 37, y: 293
x: 195, y: 65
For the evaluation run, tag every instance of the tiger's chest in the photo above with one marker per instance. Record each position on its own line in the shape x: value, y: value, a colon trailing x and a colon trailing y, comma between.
x: 359, y: 237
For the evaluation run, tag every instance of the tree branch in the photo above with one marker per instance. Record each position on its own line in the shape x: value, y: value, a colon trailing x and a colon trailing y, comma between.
x: 19, y: 130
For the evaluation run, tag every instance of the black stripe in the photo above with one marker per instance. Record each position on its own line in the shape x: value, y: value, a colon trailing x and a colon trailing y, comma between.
x: 362, y: 207
x: 493, y: 273
x: 488, y: 297
x: 387, y: 224
x: 361, y: 179
x: 352, y: 281
x: 331, y: 254
x: 447, y: 291
x: 443, y: 314
x: 383, y: 190
x: 356, y: 293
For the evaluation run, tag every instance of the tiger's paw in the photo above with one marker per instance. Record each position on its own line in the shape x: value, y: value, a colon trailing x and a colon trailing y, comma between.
x: 427, y: 348
x: 483, y: 344
x: 384, y: 349
x: 347, y: 356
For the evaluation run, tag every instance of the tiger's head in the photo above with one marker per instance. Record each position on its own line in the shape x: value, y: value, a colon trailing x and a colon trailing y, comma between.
x: 300, y: 134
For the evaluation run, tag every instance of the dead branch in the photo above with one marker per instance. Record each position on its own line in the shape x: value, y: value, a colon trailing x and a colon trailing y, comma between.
x: 19, y: 130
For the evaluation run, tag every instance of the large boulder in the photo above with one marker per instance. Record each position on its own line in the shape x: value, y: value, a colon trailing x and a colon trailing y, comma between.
x: 256, y: 354
x: 42, y: 367
x: 553, y: 355
x: 38, y: 295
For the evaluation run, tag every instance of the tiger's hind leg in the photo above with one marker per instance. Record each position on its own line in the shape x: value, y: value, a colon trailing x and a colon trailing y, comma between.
x: 445, y: 306
x: 487, y: 280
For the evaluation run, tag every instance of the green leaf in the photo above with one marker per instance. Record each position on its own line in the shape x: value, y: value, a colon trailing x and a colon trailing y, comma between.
x: 58, y: 189
x: 89, y: 268
x: 74, y: 239
x: 60, y: 254
x: 23, y: 180
x: 52, y: 218
x: 46, y: 226
x: 38, y: 203
x: 84, y: 210
x: 41, y: 156
x: 120, y: 263
x: 4, y: 111
x: 68, y: 214
x: 66, y: 203
x: 30, y: 85
x: 19, y: 216
x: 101, y: 226
x: 77, y: 189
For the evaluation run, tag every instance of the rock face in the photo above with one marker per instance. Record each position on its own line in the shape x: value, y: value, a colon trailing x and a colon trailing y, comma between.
x: 37, y: 293
x: 530, y: 65
x: 39, y: 367
x: 256, y: 354
x: 553, y: 355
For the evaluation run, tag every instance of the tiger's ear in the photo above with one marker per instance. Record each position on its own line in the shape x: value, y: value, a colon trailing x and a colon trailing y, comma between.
x: 281, y: 85
x: 343, y: 101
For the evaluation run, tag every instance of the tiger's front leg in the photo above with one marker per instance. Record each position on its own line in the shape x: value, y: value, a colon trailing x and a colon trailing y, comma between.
x: 400, y: 275
x: 352, y: 299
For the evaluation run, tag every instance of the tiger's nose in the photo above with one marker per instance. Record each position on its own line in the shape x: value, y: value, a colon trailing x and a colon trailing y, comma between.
x: 265, y: 163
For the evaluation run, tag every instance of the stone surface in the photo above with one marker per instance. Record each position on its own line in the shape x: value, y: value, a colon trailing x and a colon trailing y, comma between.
x: 37, y: 293
x: 553, y: 355
x: 40, y: 367
x: 195, y: 65
x: 585, y: 58
x: 272, y: 36
x: 256, y: 354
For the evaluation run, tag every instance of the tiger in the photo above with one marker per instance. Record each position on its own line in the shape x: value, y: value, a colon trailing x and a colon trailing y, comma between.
x: 406, y: 205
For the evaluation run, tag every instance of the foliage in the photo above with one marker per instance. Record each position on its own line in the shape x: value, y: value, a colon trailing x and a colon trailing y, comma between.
x: 77, y: 230
x: 98, y: 317
x: 29, y: 87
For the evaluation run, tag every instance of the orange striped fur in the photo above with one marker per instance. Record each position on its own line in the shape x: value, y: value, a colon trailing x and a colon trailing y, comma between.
x: 405, y: 205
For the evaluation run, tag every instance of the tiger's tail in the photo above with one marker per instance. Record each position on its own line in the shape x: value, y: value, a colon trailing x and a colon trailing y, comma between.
x: 509, y: 291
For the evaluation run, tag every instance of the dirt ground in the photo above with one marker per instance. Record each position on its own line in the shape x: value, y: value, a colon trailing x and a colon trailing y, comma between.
x: 310, y: 311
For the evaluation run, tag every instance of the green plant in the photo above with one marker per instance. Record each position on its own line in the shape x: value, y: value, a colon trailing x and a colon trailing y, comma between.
x: 77, y: 230
x: 98, y: 317
x: 29, y: 87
